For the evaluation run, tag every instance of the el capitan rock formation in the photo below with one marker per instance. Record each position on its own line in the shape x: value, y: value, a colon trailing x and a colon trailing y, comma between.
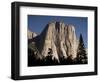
x: 57, y: 40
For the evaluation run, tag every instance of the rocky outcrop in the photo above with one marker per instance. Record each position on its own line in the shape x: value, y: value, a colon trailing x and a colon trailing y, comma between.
x: 57, y: 39
x: 31, y: 34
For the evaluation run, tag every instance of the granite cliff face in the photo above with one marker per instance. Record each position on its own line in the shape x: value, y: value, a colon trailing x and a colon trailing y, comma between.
x: 58, y: 40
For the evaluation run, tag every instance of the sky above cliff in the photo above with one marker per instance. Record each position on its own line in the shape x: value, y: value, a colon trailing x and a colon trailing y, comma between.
x: 37, y: 23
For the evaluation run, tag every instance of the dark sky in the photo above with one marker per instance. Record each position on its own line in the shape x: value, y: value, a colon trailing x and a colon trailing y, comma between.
x: 36, y: 23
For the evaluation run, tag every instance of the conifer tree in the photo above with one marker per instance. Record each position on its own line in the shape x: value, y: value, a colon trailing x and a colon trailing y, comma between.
x: 81, y: 53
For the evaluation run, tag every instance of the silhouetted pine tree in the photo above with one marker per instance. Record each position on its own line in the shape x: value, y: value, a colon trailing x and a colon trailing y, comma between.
x: 55, y: 62
x: 81, y: 53
x: 69, y: 60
